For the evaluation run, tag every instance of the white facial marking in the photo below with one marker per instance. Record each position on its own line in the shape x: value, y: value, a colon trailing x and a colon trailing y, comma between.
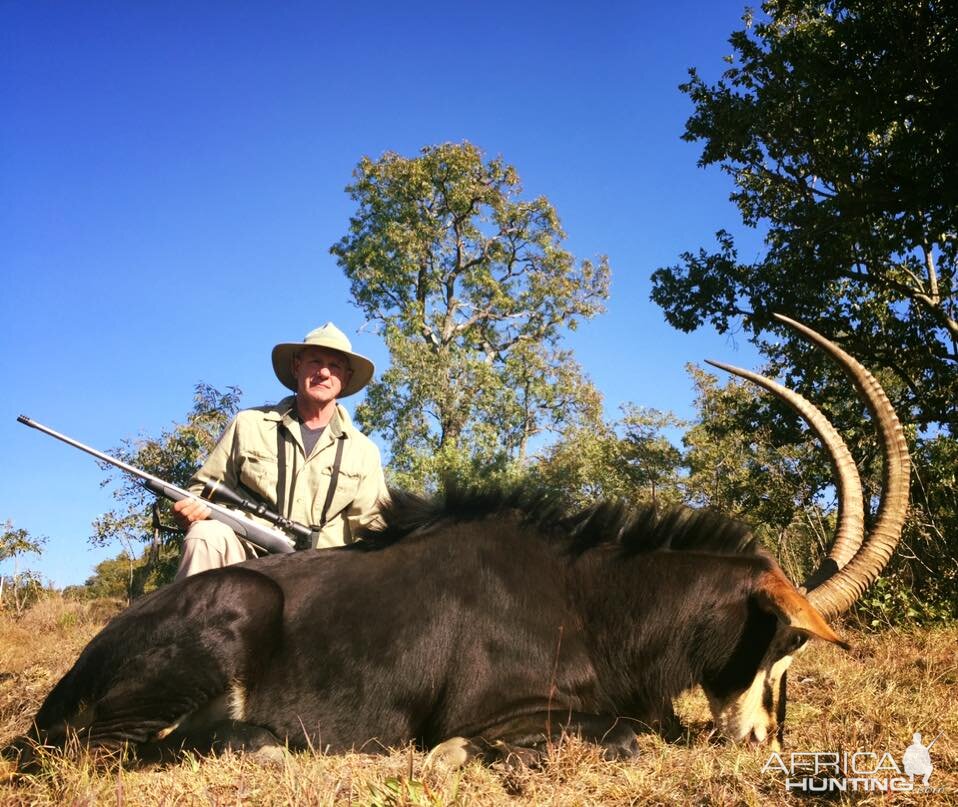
x: 743, y: 717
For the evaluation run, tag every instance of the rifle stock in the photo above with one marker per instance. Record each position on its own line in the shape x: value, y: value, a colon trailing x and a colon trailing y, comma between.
x: 265, y: 537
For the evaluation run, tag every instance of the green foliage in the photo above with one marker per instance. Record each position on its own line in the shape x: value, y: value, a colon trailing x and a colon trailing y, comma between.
x: 404, y: 791
x: 22, y: 586
x: 835, y: 122
x: 17, y: 542
x: 21, y: 590
x: 920, y: 584
x: 650, y: 461
x: 473, y: 292
x: 173, y: 456
x: 112, y: 577
x: 891, y: 601
x: 126, y: 576
x: 745, y: 460
x: 630, y: 459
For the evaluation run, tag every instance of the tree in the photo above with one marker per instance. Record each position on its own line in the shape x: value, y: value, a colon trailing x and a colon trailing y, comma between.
x: 473, y: 291
x: 174, y: 456
x: 23, y: 585
x: 630, y: 459
x: 651, y: 462
x: 113, y: 578
x: 750, y: 456
x: 835, y: 121
x: 765, y: 470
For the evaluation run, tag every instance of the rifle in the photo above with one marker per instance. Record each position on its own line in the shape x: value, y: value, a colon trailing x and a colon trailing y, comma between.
x: 265, y: 537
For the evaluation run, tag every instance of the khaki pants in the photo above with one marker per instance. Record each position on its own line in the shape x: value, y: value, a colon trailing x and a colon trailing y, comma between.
x: 209, y: 545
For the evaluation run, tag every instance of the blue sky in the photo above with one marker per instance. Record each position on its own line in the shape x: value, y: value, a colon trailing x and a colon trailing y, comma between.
x: 172, y: 175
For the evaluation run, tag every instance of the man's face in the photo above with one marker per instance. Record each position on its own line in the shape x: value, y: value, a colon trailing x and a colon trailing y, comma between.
x: 321, y: 374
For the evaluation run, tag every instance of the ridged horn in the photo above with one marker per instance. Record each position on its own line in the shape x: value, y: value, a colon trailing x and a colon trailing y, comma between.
x: 853, y: 563
x: 850, y: 529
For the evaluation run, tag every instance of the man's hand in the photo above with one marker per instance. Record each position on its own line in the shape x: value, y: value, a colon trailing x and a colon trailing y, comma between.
x: 186, y: 511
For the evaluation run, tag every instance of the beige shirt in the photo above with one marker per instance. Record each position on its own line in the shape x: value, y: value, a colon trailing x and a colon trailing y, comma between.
x: 245, y: 459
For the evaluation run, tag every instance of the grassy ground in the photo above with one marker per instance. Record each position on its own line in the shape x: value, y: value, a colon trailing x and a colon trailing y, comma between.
x: 870, y: 699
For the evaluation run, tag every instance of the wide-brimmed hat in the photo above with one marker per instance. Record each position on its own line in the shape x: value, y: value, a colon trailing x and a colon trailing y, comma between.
x: 330, y: 337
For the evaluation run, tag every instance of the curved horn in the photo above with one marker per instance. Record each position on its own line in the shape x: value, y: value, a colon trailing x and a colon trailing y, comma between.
x: 837, y: 592
x: 850, y: 528
x: 840, y: 581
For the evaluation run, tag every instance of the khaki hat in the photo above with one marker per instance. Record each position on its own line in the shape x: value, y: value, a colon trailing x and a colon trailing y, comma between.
x: 328, y: 336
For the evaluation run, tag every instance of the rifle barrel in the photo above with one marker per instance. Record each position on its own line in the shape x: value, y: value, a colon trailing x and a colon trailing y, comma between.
x: 269, y: 539
x: 77, y: 444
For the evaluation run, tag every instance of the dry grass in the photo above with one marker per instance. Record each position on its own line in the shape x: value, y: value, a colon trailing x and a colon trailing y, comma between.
x: 870, y: 699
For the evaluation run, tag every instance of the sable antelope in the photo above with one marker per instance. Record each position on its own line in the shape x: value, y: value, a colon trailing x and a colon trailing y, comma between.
x: 482, y: 623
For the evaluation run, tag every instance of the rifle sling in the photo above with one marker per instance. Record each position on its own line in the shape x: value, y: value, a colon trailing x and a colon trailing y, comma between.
x: 281, y: 475
x: 333, y: 480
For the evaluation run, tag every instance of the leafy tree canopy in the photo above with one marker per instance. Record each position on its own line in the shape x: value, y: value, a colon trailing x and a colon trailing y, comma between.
x: 836, y: 122
x: 22, y: 586
x: 473, y: 291
x: 123, y: 577
x: 18, y: 541
x: 631, y: 459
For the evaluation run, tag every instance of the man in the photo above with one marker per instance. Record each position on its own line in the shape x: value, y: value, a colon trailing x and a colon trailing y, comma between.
x: 302, y: 457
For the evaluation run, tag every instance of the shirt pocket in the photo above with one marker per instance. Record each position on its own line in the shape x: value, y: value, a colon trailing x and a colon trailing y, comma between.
x: 347, y: 485
x: 259, y: 474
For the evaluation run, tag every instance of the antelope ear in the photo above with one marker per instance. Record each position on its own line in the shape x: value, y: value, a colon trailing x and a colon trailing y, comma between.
x: 778, y: 596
